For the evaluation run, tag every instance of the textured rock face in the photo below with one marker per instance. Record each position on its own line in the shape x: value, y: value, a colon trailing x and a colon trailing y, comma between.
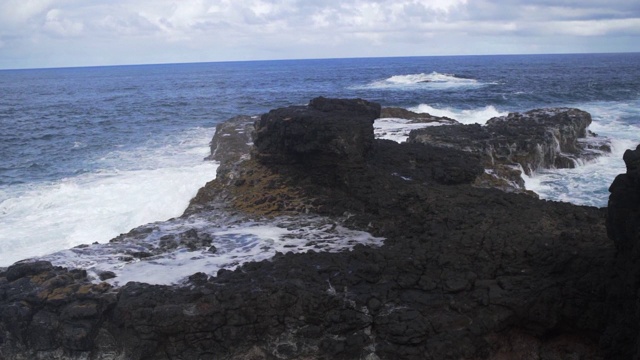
x: 545, y: 138
x: 50, y: 313
x: 465, y: 273
x: 325, y: 132
x: 623, y: 226
x: 233, y: 140
x: 232, y: 144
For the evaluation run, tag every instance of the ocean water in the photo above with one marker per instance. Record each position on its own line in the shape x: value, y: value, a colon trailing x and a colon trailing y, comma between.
x: 89, y: 153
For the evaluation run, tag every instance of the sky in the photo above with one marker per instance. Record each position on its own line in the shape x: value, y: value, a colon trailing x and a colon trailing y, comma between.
x: 62, y: 33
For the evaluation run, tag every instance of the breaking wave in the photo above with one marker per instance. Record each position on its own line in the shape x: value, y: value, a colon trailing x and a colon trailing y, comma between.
x: 465, y: 116
x: 433, y: 80
x: 130, y: 188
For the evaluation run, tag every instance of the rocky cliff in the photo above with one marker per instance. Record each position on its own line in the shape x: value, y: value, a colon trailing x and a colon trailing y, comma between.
x: 464, y: 272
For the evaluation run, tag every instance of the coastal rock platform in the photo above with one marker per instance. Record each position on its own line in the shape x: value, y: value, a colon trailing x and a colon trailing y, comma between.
x: 463, y: 273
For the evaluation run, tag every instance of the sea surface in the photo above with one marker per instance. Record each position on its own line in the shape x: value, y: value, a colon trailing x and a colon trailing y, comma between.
x: 90, y: 153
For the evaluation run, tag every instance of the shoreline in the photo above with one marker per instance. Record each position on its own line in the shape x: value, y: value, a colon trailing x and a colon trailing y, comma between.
x: 464, y: 272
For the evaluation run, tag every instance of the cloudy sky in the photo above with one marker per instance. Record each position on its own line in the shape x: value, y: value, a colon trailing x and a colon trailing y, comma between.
x: 55, y: 33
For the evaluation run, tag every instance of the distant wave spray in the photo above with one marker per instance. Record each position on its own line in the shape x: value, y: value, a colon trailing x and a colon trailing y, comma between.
x: 433, y: 80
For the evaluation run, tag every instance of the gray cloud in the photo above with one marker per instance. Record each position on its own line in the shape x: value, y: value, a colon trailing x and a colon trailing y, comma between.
x: 38, y: 33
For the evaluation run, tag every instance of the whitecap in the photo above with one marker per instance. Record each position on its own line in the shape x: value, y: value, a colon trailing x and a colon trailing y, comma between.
x: 78, y: 145
x: 433, y: 81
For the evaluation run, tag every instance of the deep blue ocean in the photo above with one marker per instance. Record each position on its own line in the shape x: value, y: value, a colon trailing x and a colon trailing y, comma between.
x: 88, y: 153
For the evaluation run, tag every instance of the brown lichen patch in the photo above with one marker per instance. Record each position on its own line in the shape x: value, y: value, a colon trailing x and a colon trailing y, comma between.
x: 41, y: 278
x: 255, y: 189
x: 63, y: 294
x: 54, y: 282
x: 262, y: 190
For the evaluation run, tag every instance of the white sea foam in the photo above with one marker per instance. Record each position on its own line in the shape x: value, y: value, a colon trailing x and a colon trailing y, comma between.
x: 588, y: 184
x: 465, y: 116
x: 129, y: 189
x: 397, y: 129
x: 237, y: 241
x: 433, y: 80
x: 584, y: 185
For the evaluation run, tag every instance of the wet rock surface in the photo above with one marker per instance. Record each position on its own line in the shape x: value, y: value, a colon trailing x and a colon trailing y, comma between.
x: 464, y: 273
x: 543, y: 138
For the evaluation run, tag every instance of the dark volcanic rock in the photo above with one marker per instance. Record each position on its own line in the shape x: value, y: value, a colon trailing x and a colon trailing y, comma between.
x: 49, y: 312
x: 544, y: 138
x: 465, y: 273
x: 622, y: 338
x: 232, y: 143
x: 325, y: 132
x: 261, y: 186
x: 233, y: 140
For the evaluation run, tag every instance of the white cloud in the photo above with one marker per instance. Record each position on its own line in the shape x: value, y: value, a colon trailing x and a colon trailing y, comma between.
x: 57, y: 24
x: 179, y: 30
x: 594, y: 27
x: 19, y: 11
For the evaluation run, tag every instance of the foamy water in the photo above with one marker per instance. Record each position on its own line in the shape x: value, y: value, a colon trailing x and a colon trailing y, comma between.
x: 236, y: 240
x: 130, y: 189
x: 588, y: 184
x: 464, y: 116
x: 397, y: 129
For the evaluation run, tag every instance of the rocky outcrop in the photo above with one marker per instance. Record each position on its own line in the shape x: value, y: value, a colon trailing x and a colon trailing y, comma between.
x: 544, y: 138
x: 340, y: 154
x: 464, y: 273
x: 232, y: 141
x: 317, y: 132
x: 48, y: 312
x: 622, y: 338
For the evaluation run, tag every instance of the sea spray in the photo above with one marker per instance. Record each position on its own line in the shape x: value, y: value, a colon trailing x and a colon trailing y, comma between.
x: 464, y: 116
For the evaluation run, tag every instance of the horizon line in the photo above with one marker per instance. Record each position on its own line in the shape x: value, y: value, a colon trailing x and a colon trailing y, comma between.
x: 306, y: 59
